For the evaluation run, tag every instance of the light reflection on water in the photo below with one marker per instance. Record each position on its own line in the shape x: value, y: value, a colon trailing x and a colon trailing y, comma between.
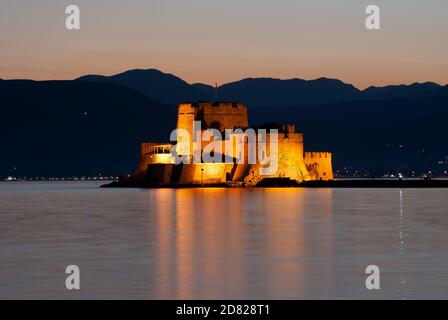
x: 221, y: 243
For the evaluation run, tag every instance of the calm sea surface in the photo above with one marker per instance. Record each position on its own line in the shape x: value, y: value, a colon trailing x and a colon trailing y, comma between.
x: 221, y: 243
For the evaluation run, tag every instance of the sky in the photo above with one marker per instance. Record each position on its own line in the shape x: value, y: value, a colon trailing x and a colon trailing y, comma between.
x: 221, y: 41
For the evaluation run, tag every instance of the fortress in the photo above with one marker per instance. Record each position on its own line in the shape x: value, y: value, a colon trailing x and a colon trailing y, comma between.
x: 157, y: 167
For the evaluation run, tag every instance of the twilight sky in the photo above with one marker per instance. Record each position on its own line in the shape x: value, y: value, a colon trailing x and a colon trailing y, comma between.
x: 226, y: 40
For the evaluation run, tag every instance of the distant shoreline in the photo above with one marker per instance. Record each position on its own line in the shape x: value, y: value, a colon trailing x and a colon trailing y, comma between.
x: 286, y: 183
x: 378, y: 183
x: 55, y: 181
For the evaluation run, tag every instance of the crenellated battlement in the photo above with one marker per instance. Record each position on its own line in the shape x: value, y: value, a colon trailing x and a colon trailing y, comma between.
x: 212, y: 108
x: 319, y: 165
x: 317, y: 155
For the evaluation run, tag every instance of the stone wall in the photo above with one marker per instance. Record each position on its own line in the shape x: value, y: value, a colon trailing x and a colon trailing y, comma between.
x: 203, y: 173
x: 153, y: 153
x: 290, y: 160
x: 319, y: 165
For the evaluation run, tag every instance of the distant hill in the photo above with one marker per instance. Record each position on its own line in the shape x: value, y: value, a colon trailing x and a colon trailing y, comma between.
x: 414, y: 90
x: 260, y: 92
x: 156, y: 85
x: 267, y: 92
x: 76, y: 128
x: 374, y: 135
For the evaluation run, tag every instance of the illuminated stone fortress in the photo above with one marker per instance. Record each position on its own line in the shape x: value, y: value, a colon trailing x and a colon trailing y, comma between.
x: 157, y: 167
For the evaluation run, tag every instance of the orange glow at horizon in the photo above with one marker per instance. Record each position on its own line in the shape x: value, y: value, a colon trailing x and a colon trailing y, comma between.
x: 208, y: 42
x: 356, y: 73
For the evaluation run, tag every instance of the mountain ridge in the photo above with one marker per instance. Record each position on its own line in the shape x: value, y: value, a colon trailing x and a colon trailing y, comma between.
x: 63, y: 128
x: 259, y: 91
x: 94, y: 125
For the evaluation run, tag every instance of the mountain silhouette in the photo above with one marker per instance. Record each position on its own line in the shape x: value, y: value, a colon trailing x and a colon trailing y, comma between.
x: 64, y: 128
x: 403, y: 91
x: 266, y: 92
x: 95, y: 124
x: 155, y: 84
x: 259, y: 92
x: 374, y: 135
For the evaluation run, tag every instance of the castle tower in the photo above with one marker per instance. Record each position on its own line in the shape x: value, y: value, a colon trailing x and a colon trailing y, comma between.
x: 220, y: 115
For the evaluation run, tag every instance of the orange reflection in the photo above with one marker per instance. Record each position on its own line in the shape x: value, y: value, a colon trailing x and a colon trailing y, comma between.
x: 162, y: 202
x: 241, y: 243
x: 284, y: 239
x: 184, y: 244
x: 319, y: 239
